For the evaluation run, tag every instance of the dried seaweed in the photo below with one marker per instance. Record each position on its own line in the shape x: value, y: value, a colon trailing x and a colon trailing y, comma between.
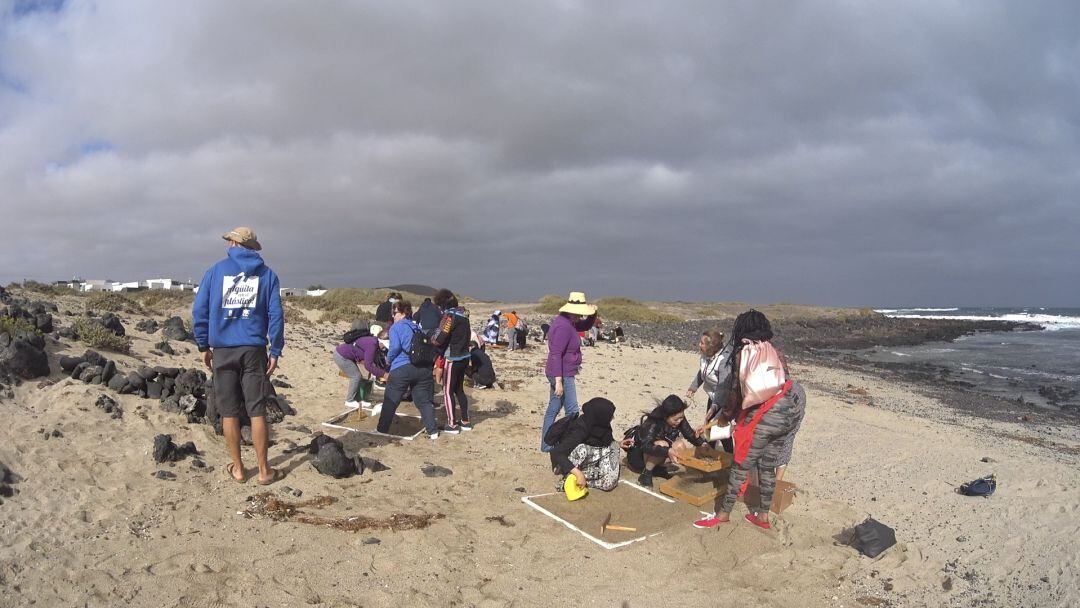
x: 268, y: 506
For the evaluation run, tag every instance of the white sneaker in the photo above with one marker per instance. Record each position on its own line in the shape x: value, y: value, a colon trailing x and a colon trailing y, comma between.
x: 365, y: 404
x: 433, y: 436
x: 375, y: 411
x: 352, y: 405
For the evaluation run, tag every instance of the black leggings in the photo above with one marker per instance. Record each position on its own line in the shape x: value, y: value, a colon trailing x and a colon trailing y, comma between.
x: 454, y: 390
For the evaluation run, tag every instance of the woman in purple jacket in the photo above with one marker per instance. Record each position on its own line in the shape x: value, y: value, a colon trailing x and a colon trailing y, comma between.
x: 357, y: 360
x: 564, y: 358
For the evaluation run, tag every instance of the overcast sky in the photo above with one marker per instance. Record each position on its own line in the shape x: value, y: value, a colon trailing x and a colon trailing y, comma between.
x: 842, y: 153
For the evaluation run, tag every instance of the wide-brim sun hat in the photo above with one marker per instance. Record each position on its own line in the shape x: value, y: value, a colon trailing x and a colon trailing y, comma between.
x: 243, y: 236
x: 577, y: 305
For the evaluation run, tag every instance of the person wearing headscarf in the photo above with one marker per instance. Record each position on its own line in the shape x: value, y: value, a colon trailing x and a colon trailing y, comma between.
x: 650, y: 449
x: 564, y: 358
x: 491, y: 330
x: 587, y: 450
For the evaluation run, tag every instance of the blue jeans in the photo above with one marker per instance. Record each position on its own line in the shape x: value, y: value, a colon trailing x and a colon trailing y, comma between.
x: 419, y: 378
x: 568, y: 403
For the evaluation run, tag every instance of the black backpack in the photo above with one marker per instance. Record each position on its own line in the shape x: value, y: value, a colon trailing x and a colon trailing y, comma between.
x: 558, y: 428
x: 422, y: 353
x: 355, y: 334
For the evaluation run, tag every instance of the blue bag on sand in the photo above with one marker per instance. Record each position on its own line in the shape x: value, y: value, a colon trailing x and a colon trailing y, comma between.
x: 983, y: 486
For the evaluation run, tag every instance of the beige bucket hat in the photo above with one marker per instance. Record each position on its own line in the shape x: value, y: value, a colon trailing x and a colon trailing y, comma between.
x: 244, y: 236
x: 576, y: 304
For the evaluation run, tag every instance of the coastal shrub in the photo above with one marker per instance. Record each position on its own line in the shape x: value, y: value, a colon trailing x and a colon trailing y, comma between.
x: 632, y: 311
x: 13, y: 325
x: 347, y: 315
x: 52, y: 290
x: 294, y: 316
x: 163, y: 302
x: 96, y: 336
x: 550, y: 304
x: 112, y: 302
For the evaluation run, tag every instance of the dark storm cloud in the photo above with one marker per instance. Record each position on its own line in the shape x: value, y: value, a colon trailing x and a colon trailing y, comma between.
x: 838, y: 153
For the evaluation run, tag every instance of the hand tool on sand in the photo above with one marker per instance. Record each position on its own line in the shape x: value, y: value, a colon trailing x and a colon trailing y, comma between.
x: 607, y: 525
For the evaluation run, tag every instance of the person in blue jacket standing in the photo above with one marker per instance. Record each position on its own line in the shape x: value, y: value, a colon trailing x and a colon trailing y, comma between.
x: 236, y: 312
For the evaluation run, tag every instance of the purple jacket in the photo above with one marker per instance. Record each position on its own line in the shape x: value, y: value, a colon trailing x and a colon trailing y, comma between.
x: 363, y: 350
x: 564, y: 346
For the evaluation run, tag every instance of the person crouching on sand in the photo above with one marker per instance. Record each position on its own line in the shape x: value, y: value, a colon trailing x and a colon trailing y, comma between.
x: 765, y: 423
x: 587, y: 450
x: 650, y: 448
x: 564, y: 358
x: 356, y: 360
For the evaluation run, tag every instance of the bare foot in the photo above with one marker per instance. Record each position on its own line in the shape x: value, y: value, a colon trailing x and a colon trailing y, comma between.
x: 275, y: 475
x: 237, y: 473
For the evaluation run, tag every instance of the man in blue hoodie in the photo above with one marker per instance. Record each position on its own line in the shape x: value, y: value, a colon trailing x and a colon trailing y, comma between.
x: 238, y: 308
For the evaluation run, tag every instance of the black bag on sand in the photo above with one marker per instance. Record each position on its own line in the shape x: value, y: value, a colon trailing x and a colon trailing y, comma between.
x: 984, y: 486
x: 873, y: 537
x: 558, y: 428
x: 422, y: 352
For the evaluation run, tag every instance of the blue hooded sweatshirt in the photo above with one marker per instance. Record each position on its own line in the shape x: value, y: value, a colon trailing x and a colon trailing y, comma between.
x: 239, y: 304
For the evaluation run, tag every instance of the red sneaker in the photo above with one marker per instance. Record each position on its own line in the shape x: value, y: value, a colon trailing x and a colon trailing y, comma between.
x: 764, y: 525
x: 709, y: 521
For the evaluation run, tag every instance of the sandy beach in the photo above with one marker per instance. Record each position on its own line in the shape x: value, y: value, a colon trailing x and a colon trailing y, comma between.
x: 91, y: 525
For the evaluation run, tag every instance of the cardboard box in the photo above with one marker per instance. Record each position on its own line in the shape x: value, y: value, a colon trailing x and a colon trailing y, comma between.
x: 783, y: 498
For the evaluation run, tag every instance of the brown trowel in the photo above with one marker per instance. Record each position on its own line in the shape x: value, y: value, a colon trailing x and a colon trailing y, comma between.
x: 607, y: 525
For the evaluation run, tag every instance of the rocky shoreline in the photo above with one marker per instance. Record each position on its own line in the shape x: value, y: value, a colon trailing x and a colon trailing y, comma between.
x: 834, y: 342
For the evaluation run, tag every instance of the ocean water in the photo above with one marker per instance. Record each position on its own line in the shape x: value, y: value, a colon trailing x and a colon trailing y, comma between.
x: 1039, y: 366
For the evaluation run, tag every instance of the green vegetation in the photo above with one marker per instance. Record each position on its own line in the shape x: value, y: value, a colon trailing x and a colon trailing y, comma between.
x: 344, y: 304
x: 163, y: 302
x: 337, y: 315
x: 632, y: 311
x: 295, y: 316
x: 12, y: 325
x: 550, y: 304
x: 613, y: 309
x: 112, y: 302
x: 95, y: 335
x: 52, y: 290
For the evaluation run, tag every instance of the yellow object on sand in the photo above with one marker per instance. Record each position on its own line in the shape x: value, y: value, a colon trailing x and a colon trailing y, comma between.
x: 572, y: 490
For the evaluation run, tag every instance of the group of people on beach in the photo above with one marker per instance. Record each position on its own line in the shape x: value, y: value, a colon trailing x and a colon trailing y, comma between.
x: 751, y: 398
x: 454, y: 353
x: 238, y: 312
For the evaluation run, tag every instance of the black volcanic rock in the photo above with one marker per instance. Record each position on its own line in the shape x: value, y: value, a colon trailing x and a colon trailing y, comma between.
x: 67, y: 364
x: 112, y: 323
x: 22, y: 359
x: 167, y: 451
x: 173, y: 329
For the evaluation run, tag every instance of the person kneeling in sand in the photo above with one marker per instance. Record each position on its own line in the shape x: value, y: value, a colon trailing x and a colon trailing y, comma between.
x: 587, y: 450
x: 650, y: 448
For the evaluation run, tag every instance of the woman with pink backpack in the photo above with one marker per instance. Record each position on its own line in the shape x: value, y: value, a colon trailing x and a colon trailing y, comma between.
x: 767, y: 407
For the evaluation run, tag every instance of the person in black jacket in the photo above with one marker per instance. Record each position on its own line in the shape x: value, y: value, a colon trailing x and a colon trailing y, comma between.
x: 481, y: 370
x: 384, y: 313
x: 655, y: 435
x: 452, y: 337
x: 587, y: 450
